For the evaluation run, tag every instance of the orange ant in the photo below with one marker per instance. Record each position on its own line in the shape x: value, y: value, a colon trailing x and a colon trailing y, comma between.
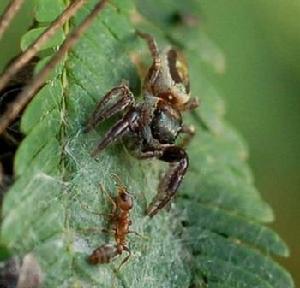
x: 122, y: 204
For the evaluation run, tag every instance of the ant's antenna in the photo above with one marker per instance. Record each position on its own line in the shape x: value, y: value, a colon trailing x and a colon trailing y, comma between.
x: 119, y: 183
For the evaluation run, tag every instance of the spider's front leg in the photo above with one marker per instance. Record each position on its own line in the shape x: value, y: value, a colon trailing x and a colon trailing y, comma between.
x: 168, y: 186
x: 116, y: 100
x: 128, y: 123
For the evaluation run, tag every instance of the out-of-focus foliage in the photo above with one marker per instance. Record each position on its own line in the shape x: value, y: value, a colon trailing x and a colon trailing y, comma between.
x: 10, y: 45
x: 261, y: 85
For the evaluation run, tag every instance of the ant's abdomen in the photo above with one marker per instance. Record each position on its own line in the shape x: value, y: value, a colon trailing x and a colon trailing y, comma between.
x: 103, y: 254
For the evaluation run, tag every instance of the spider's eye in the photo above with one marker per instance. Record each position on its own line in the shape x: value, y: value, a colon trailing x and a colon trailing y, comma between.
x: 178, y: 69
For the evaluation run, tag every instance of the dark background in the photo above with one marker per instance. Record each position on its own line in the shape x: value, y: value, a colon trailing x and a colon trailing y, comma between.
x: 261, y: 85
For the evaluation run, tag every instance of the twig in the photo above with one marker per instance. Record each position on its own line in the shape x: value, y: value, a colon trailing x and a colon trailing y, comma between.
x: 26, y: 95
x: 9, y: 14
x: 32, y: 50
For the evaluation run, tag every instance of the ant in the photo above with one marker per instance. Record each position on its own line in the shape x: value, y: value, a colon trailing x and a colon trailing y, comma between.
x: 120, y: 219
x: 156, y: 122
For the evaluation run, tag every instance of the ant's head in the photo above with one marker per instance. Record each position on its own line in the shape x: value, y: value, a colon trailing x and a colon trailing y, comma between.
x: 124, y: 199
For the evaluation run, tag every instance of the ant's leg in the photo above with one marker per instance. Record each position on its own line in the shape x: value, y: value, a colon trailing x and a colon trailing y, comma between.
x: 126, y: 258
x: 108, y: 215
x: 111, y: 199
x: 155, y: 68
x: 86, y: 208
x: 121, y: 128
x: 134, y: 232
x: 116, y: 100
x: 94, y: 230
x: 138, y: 234
x: 190, y: 133
x: 168, y: 186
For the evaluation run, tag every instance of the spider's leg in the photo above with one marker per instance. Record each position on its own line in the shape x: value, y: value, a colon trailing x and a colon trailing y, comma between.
x: 192, y: 104
x: 189, y: 131
x: 168, y: 186
x: 155, y: 68
x: 116, y: 100
x: 123, y: 126
x: 149, y: 154
x: 156, y: 151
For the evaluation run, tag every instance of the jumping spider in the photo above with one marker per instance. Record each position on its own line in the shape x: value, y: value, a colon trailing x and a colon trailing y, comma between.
x: 156, y: 122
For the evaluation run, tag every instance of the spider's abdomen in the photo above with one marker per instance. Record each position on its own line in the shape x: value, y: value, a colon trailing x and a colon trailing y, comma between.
x: 166, y: 124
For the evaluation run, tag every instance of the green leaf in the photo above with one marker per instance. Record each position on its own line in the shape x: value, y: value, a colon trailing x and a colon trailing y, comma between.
x: 33, y: 34
x: 47, y: 10
x: 213, y: 235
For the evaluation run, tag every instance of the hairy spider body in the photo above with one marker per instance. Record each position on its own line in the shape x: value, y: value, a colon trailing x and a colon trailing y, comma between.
x: 120, y: 219
x: 157, y: 121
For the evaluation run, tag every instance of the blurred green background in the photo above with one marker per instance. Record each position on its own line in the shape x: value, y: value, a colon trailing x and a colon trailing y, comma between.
x: 261, y: 84
x: 10, y: 42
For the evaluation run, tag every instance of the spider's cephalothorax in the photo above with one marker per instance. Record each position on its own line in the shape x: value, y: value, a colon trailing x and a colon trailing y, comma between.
x: 157, y: 121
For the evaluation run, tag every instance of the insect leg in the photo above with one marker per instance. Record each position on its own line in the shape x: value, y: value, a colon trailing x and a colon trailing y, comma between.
x: 116, y: 100
x: 94, y: 230
x: 168, y: 186
x: 138, y: 234
x: 126, y: 258
x: 111, y: 199
x: 87, y: 209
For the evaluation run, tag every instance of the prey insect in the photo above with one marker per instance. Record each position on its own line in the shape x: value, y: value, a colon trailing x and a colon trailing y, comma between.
x: 122, y: 204
x: 156, y: 122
